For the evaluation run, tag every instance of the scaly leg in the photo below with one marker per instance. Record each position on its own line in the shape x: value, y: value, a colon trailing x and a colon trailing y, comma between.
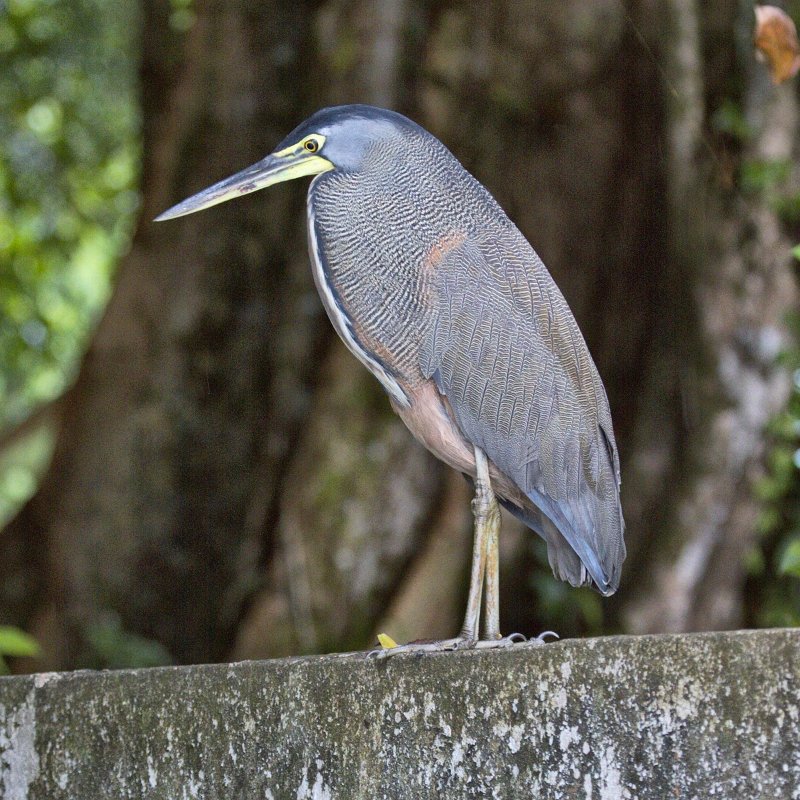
x: 485, y: 569
x: 484, y: 507
x: 487, y: 519
x: 491, y: 611
x: 486, y: 501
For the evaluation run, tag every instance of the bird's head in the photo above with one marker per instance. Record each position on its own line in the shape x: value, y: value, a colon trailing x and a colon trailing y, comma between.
x: 335, y: 138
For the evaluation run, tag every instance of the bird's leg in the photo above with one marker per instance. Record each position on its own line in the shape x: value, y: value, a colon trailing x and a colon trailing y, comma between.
x: 487, y: 515
x: 484, y: 555
x: 491, y: 611
x: 487, y: 519
x: 481, y: 510
x: 485, y: 570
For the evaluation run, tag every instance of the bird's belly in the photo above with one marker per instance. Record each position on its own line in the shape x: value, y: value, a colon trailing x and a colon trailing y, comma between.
x: 432, y: 424
x: 427, y: 418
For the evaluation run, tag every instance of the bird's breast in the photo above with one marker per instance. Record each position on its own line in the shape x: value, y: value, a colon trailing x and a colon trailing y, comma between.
x: 372, y: 256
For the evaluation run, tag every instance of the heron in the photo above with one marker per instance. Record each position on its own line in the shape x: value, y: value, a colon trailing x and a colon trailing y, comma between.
x: 438, y: 294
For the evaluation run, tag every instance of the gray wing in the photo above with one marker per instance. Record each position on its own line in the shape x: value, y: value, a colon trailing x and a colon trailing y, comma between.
x: 504, y: 348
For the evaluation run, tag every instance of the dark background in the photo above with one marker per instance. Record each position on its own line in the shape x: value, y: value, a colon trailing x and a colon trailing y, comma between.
x: 221, y: 480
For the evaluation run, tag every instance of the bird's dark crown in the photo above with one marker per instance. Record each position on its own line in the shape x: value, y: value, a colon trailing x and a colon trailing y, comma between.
x: 354, y: 116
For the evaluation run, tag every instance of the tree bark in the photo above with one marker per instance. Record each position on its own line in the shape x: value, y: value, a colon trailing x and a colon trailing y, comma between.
x: 737, y: 289
x: 229, y: 482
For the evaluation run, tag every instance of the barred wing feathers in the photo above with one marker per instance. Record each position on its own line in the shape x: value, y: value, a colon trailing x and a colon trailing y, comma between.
x: 505, y: 350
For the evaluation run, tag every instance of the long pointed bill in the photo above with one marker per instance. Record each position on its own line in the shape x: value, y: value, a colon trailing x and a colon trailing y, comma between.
x: 273, y: 169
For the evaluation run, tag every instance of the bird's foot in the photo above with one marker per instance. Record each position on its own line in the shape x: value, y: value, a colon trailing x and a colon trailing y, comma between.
x: 425, y: 646
x: 514, y: 638
x: 460, y: 643
x: 501, y: 641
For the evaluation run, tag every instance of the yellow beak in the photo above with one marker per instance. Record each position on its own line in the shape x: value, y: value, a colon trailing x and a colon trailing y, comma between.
x: 275, y: 168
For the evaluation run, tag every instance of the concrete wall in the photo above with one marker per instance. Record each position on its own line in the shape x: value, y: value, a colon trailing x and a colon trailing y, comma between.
x: 700, y: 716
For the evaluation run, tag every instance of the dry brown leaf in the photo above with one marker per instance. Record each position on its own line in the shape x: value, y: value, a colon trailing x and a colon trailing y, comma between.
x: 776, y: 39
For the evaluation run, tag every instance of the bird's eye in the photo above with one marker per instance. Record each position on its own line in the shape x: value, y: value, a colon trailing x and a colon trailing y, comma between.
x: 311, y: 145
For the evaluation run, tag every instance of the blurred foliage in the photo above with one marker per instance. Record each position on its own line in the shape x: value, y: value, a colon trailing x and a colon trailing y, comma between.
x: 775, y: 567
x: 729, y: 120
x: 14, y: 642
x: 115, y: 648
x: 774, y: 179
x: 773, y: 592
x: 21, y: 465
x: 182, y: 16
x: 69, y: 153
x: 68, y: 168
x: 760, y: 175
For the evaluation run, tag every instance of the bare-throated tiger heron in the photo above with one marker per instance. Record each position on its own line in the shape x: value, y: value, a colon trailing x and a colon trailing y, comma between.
x: 433, y: 288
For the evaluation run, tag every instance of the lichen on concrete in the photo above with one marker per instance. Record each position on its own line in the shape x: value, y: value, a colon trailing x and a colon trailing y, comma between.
x: 19, y: 761
x: 698, y: 716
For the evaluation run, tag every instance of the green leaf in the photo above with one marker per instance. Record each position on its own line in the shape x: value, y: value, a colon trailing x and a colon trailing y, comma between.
x: 790, y: 560
x: 116, y: 648
x: 796, y: 251
x: 759, y: 175
x: 14, y: 642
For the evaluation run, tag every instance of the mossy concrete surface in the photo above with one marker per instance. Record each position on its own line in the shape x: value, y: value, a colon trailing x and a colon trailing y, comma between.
x: 697, y: 716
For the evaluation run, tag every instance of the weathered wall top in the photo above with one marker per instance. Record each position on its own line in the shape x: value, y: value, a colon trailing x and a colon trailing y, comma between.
x: 699, y: 716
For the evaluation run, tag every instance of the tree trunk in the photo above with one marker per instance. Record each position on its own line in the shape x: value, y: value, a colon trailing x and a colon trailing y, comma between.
x: 229, y: 482
x: 733, y: 286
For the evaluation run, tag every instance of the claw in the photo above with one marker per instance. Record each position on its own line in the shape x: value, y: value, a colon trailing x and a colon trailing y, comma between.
x: 505, y: 641
x: 515, y: 638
